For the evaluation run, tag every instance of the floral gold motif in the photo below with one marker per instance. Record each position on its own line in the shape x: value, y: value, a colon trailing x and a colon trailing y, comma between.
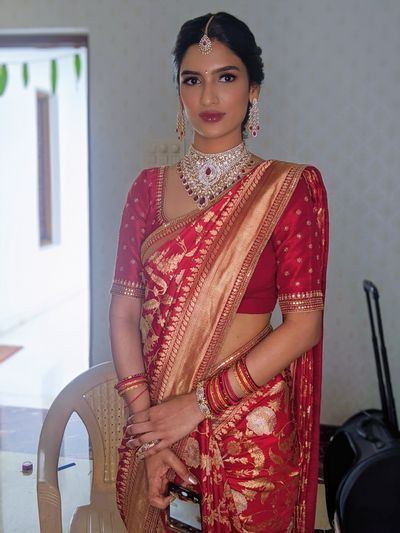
x: 261, y: 421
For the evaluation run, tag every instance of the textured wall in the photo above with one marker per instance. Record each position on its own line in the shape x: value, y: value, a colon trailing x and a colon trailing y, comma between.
x: 331, y: 97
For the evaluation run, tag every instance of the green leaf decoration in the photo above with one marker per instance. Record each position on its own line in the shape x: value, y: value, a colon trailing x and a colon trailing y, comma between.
x: 77, y: 64
x: 25, y: 74
x: 53, y: 75
x: 3, y: 79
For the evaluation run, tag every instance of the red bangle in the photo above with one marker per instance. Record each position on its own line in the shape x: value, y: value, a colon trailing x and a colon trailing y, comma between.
x: 245, y: 380
x: 136, y: 398
x: 131, y: 382
x: 231, y: 393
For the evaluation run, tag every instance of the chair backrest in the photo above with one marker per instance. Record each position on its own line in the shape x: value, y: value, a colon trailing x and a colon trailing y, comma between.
x: 93, y: 397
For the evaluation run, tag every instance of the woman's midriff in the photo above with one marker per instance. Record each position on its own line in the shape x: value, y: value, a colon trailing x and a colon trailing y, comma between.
x: 244, y: 327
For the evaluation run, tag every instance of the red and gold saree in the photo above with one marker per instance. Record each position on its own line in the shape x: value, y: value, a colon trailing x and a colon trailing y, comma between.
x: 257, y: 465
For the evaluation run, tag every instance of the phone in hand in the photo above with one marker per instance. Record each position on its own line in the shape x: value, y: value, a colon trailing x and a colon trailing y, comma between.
x: 184, y: 513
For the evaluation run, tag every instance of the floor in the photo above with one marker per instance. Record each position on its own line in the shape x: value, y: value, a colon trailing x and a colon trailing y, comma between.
x: 18, y: 511
x: 29, y: 381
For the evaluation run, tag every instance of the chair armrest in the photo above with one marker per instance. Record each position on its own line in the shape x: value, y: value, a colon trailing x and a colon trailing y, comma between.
x: 48, y: 493
x: 49, y: 502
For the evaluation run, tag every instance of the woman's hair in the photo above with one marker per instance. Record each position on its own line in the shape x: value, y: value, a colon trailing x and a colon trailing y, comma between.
x: 229, y: 31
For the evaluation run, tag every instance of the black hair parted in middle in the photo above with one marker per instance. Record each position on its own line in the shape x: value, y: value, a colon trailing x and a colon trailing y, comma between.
x: 228, y: 30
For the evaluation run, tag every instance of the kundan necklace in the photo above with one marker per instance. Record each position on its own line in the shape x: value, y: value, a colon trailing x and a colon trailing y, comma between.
x: 205, y: 176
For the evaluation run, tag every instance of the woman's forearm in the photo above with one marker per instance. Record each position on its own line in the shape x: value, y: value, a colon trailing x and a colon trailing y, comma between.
x: 177, y: 416
x: 291, y: 339
x: 127, y: 355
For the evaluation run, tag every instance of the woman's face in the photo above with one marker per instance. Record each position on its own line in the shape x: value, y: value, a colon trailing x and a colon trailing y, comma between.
x: 214, y: 90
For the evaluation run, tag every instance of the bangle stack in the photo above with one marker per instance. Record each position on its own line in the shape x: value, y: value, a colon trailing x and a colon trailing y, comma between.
x: 242, y: 375
x: 132, y: 382
x: 216, y: 394
x: 219, y: 393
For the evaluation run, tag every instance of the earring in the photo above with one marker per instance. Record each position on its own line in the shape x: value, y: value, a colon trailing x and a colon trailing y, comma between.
x: 253, y: 122
x: 180, y: 123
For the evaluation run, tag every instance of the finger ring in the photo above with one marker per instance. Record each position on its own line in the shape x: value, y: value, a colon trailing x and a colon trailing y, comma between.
x: 146, y: 446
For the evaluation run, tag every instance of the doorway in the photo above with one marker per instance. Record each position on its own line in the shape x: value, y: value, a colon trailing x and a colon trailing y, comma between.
x: 44, y: 215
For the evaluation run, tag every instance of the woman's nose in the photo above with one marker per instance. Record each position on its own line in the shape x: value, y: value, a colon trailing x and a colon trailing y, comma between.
x: 209, y: 94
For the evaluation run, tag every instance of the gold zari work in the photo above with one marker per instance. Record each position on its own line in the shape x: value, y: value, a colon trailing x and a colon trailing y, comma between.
x: 127, y: 288
x: 301, y: 301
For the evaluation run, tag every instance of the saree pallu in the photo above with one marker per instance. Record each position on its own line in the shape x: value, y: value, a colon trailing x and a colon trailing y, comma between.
x: 257, y: 465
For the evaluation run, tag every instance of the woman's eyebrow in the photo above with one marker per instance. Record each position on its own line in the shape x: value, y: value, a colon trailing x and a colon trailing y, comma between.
x: 216, y: 71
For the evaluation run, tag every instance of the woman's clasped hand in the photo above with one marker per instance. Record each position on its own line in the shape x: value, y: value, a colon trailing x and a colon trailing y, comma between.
x: 164, y: 424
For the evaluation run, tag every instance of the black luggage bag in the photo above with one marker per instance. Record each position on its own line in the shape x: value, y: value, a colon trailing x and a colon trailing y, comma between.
x: 362, y: 461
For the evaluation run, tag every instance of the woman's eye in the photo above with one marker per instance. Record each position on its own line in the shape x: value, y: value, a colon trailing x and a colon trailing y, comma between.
x: 190, y: 81
x: 228, y: 77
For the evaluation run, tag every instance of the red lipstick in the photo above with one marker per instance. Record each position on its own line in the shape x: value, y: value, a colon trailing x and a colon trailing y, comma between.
x: 209, y: 116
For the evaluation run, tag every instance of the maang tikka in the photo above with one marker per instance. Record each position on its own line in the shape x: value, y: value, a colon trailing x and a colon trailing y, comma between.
x: 205, y: 44
x: 253, y: 121
x: 180, y: 123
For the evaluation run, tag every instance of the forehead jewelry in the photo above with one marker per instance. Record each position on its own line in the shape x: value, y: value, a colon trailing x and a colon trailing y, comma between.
x: 205, y: 42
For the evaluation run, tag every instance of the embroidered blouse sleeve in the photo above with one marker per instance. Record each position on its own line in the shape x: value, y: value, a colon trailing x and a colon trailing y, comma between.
x: 128, y: 279
x: 297, y: 243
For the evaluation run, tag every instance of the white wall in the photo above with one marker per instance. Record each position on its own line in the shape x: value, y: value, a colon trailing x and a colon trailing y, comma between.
x: 331, y: 97
x: 35, y: 278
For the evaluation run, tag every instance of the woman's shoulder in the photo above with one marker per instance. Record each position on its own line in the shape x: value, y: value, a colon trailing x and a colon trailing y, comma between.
x: 300, y: 180
x: 286, y: 165
x: 145, y: 181
x: 306, y: 183
x: 149, y: 174
x: 302, y: 167
x: 304, y: 173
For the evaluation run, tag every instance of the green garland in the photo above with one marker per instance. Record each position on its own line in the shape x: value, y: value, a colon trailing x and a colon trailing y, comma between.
x: 53, y: 72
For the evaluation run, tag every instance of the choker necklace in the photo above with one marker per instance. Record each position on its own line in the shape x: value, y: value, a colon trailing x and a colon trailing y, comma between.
x: 205, y: 176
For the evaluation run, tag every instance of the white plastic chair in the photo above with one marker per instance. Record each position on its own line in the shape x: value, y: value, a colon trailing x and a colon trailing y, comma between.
x: 93, y: 397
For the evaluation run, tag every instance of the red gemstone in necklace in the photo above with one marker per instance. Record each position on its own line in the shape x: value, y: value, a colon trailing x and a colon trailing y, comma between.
x: 208, y: 171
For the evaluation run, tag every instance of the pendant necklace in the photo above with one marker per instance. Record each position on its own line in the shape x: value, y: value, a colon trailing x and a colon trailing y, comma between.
x: 205, y: 176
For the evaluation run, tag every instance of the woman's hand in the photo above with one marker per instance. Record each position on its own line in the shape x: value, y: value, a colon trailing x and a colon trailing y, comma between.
x: 157, y: 467
x: 165, y: 423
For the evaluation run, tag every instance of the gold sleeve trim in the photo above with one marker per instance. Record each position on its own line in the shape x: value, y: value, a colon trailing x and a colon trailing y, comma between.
x: 301, y: 301
x: 127, y: 288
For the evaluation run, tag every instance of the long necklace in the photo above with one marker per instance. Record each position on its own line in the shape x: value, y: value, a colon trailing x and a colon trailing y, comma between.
x: 205, y: 176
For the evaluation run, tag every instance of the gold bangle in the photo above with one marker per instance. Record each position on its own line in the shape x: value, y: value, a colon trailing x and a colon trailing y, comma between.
x: 132, y: 386
x: 201, y: 400
x: 235, y: 373
x: 211, y: 396
x: 216, y: 394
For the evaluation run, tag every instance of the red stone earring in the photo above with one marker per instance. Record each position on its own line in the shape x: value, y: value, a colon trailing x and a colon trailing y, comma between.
x: 253, y: 122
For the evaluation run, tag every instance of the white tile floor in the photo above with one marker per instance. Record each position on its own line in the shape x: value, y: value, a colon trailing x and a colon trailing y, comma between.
x: 55, y: 350
x: 18, y: 505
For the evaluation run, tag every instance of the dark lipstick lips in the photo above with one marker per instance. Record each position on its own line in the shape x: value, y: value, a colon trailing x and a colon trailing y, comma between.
x: 211, y: 117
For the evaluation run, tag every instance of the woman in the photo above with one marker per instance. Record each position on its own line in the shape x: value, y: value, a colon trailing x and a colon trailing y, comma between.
x: 218, y: 401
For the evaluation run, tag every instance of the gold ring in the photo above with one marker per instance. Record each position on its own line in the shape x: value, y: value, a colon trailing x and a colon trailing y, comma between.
x: 145, y: 447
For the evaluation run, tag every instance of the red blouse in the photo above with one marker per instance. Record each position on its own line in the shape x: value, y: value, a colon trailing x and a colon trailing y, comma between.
x: 289, y: 268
